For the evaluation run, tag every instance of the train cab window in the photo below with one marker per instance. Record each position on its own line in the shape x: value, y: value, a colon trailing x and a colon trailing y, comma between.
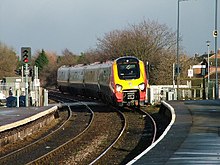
x: 128, y: 71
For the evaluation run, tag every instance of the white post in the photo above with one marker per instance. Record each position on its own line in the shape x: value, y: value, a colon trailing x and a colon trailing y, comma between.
x: 26, y: 84
x: 37, y: 86
x: 17, y: 88
x: 17, y: 95
x: 173, y: 76
x: 207, y: 93
x: 22, y: 73
x: 194, y: 94
x: 45, y: 97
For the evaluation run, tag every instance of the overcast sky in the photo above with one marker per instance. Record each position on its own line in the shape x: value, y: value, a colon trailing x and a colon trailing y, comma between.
x: 76, y: 24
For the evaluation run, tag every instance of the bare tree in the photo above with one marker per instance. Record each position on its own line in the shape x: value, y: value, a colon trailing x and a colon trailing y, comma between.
x: 149, y: 41
x: 8, y: 62
x: 67, y: 58
x: 50, y: 71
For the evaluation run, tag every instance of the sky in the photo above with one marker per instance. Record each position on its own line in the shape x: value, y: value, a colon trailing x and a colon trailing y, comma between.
x: 54, y: 25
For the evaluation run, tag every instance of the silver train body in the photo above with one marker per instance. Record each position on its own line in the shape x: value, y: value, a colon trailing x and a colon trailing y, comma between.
x: 121, y: 82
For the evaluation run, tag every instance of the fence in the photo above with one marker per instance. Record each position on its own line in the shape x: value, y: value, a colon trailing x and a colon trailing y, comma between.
x: 157, y: 93
x: 36, y: 94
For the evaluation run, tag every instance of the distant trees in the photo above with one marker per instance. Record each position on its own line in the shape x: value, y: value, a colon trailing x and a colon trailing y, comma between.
x: 9, y: 61
x: 42, y: 60
x: 48, y: 63
x: 67, y: 58
x: 49, y: 73
x: 149, y: 41
x: 47, y: 66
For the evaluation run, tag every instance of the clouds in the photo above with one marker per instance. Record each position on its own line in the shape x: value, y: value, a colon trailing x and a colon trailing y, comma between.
x: 76, y: 24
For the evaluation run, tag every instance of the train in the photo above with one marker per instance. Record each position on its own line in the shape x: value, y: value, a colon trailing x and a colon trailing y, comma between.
x: 121, y: 82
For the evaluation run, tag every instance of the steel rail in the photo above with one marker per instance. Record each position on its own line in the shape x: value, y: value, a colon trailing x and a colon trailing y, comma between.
x: 154, y: 125
x: 41, y: 139
x: 115, y: 141
x: 65, y: 144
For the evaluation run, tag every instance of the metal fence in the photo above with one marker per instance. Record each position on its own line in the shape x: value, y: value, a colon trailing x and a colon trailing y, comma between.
x: 157, y: 93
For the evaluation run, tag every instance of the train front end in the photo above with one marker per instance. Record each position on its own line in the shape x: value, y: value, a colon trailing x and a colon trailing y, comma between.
x: 129, y: 81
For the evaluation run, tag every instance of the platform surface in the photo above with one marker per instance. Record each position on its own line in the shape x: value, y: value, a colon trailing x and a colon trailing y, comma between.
x: 12, y: 117
x: 194, y: 138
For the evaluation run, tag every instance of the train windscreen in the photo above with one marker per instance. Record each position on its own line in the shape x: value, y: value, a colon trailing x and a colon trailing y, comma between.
x: 128, y: 70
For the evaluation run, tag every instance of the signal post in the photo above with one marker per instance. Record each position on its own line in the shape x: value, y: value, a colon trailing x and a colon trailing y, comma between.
x: 25, y: 59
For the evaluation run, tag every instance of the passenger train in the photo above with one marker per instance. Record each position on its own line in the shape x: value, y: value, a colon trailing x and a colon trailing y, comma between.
x: 122, y: 82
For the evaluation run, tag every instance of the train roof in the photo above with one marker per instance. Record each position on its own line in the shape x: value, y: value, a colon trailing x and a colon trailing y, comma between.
x: 124, y: 57
x: 99, y: 64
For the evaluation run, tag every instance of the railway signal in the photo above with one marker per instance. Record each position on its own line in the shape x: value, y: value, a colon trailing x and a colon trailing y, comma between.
x: 25, y: 59
x: 177, y: 69
x: 25, y: 55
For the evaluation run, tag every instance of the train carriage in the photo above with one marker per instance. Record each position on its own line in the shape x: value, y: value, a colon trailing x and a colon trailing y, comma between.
x: 91, y: 78
x: 106, y: 90
x: 63, y: 78
x: 121, y: 82
x: 76, y: 79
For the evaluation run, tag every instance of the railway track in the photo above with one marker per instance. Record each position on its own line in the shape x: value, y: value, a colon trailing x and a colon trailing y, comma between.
x: 108, y: 126
x: 140, y: 132
x: 94, y: 133
x: 45, y: 144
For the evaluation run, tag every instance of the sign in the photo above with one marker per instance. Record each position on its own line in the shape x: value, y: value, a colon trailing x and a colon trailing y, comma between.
x: 17, y: 80
x: 198, y: 66
x: 17, y: 85
x: 215, y: 33
x: 26, y: 72
x: 36, y: 82
x: 190, y: 73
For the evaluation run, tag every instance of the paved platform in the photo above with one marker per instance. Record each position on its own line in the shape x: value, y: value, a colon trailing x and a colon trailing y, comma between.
x: 13, y: 117
x: 194, y: 137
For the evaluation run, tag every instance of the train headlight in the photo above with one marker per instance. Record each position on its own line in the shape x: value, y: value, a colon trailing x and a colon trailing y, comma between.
x: 141, y: 86
x: 118, y: 87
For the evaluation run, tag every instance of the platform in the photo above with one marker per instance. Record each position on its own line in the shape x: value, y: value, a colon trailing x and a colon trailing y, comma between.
x: 14, y: 117
x: 194, y: 137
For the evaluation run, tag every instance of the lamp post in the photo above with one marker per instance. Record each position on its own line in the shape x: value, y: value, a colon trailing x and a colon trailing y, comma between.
x: 208, y: 44
x: 177, y: 48
x: 215, y: 34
